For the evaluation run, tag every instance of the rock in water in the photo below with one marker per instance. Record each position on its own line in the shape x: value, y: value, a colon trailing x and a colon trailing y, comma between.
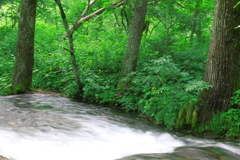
x: 188, y: 153
x: 3, y: 158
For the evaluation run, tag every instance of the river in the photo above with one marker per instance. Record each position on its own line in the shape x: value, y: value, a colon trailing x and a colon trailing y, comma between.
x: 51, y: 127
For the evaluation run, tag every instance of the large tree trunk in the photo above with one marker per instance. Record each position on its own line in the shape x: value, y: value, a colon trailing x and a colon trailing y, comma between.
x: 22, y: 75
x: 134, y: 40
x: 223, y: 66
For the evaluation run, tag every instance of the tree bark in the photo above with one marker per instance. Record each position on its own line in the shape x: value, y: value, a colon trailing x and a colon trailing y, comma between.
x: 223, y: 65
x: 22, y: 74
x: 134, y: 40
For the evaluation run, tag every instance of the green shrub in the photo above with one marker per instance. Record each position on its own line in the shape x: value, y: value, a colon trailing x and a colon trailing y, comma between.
x: 216, y: 125
x: 159, y: 89
x: 5, y: 83
x: 235, y: 99
x: 227, y: 123
x: 231, y: 120
x: 7, y: 52
x: 99, y: 86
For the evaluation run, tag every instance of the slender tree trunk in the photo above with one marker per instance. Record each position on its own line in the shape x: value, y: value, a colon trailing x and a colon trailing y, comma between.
x: 70, y: 31
x: 22, y: 74
x: 199, y: 32
x: 195, y: 21
x: 223, y: 66
x: 71, y: 46
x: 134, y: 40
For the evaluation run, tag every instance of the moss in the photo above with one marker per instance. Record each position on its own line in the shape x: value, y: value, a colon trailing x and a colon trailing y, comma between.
x: 21, y: 87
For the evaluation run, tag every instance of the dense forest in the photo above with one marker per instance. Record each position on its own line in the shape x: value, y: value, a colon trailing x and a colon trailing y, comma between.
x: 175, y: 62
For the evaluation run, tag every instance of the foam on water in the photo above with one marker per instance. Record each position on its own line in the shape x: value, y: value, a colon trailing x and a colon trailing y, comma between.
x: 103, y: 143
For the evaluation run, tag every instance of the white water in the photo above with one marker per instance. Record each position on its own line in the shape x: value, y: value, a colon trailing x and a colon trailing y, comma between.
x: 77, y: 131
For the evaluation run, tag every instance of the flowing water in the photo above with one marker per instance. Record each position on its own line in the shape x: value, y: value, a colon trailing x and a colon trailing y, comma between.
x: 50, y: 127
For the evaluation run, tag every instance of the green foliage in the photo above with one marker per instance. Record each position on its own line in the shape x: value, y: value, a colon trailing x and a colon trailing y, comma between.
x: 225, y: 123
x: 6, y: 67
x: 192, y: 60
x: 98, y: 64
x: 236, y: 4
x: 187, y: 114
x: 7, y: 52
x: 216, y: 125
x: 234, y: 8
x: 102, y: 94
x: 5, y: 84
x: 160, y: 90
x: 235, y: 100
x: 232, y: 122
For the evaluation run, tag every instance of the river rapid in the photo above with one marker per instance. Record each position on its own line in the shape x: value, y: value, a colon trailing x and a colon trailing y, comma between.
x: 50, y: 127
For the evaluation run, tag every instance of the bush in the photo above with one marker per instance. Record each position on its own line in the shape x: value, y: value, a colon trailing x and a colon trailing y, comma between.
x: 231, y: 120
x: 7, y: 52
x: 159, y: 89
x: 235, y: 99
x: 227, y: 122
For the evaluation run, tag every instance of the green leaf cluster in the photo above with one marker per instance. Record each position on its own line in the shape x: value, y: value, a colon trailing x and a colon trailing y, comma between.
x: 235, y: 99
x: 225, y: 123
x: 162, y: 91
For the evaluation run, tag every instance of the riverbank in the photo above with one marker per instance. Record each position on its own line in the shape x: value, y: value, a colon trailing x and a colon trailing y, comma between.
x: 185, y: 131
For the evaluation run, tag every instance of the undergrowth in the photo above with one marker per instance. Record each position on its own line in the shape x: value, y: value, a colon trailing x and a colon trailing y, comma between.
x: 227, y: 123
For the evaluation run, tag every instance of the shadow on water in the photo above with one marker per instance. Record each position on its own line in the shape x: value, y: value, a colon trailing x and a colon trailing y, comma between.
x: 50, y: 127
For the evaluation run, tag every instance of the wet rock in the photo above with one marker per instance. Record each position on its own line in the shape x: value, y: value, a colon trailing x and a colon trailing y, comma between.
x: 3, y: 158
x: 188, y: 153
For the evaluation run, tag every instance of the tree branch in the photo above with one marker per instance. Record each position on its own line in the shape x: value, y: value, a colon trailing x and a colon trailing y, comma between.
x: 181, y: 5
x: 79, y: 22
x: 87, y: 8
x: 155, y: 2
x: 68, y: 50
